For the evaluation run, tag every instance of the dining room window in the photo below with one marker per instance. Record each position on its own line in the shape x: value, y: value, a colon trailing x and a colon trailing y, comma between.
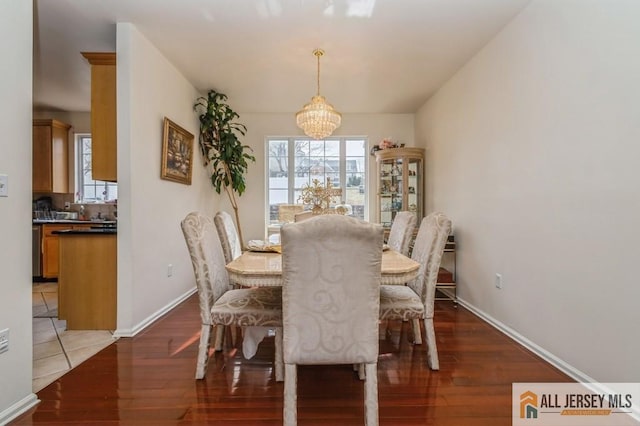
x: 293, y: 162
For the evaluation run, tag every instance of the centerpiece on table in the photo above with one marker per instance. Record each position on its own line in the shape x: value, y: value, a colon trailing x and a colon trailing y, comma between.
x: 318, y: 196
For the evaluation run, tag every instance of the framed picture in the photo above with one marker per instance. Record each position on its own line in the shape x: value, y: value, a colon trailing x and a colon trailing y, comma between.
x: 177, y: 153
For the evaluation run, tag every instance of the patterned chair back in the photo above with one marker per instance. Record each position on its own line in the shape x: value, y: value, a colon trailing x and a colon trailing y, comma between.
x: 427, y: 250
x: 331, y: 290
x: 228, y: 236
x: 401, y: 232
x: 207, y: 259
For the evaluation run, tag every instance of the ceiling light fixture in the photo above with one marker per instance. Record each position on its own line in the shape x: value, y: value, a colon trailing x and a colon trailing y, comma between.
x: 318, y: 119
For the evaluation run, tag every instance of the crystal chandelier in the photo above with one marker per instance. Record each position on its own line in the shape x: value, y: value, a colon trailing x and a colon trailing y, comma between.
x: 318, y: 119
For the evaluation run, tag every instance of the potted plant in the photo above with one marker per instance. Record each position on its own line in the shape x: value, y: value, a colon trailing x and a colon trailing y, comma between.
x: 220, y: 145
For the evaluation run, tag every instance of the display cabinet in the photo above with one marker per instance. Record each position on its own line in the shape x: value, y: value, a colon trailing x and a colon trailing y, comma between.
x: 400, y: 183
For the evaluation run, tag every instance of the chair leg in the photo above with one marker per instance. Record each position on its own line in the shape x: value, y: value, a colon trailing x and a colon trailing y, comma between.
x: 362, y: 372
x: 278, y: 362
x: 203, y: 351
x: 432, y: 348
x: 290, y: 412
x: 234, y: 335
x: 219, y: 337
x: 417, y: 335
x: 371, y: 395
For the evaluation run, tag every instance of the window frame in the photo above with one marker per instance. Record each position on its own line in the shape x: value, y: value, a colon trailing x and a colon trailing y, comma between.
x: 291, y: 171
x: 79, y: 138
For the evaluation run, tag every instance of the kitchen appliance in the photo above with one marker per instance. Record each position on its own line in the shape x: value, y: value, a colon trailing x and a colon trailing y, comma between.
x: 36, y: 241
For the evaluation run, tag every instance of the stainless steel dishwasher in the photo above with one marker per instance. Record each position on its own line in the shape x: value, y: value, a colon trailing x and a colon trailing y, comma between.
x: 36, y: 251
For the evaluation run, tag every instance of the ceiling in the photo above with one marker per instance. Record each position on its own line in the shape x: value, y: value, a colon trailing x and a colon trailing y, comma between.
x: 382, y: 56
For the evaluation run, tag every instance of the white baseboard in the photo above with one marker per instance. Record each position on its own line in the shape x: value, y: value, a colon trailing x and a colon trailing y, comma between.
x: 561, y: 365
x: 130, y: 332
x: 19, y: 408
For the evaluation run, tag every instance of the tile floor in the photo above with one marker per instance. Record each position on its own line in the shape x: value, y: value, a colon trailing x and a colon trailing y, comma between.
x: 55, y: 349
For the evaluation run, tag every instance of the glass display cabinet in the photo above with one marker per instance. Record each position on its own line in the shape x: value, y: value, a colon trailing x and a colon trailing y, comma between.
x: 400, y: 183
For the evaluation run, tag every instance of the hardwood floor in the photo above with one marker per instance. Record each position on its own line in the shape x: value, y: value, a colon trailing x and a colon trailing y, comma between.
x: 149, y: 380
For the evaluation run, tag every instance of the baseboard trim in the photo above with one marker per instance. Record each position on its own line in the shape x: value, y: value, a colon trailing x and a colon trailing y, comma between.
x: 130, y: 332
x: 19, y: 408
x: 560, y: 364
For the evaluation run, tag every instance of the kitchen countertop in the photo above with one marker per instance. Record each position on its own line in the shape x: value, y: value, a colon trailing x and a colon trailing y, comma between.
x: 92, y: 231
x: 72, y: 221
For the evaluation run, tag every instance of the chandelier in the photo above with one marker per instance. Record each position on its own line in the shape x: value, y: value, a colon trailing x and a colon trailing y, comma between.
x: 318, y: 119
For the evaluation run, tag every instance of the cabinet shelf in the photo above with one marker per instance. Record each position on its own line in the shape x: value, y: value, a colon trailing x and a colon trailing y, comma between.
x: 400, y: 182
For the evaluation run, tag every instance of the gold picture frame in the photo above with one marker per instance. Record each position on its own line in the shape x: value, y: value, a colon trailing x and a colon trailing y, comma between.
x: 177, y: 153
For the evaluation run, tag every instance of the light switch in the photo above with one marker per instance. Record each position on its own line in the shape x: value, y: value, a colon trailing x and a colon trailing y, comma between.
x: 4, y: 186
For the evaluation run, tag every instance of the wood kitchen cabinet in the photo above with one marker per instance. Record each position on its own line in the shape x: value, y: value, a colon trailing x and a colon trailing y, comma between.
x: 88, y: 280
x: 103, y: 115
x: 50, y: 252
x: 50, y: 156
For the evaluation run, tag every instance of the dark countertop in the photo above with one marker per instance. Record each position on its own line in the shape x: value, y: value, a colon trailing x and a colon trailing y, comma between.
x: 72, y: 221
x: 92, y: 231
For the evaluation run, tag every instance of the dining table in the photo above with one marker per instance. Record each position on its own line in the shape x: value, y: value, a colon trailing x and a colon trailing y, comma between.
x: 264, y: 269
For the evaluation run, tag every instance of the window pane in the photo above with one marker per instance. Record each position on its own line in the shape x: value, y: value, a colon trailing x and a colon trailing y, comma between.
x: 301, y: 148
x: 343, y: 161
x: 88, y: 189
x: 355, y: 147
x: 278, y: 158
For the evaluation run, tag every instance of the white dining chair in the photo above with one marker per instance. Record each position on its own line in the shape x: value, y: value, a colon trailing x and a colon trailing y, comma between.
x: 232, y: 249
x: 401, y: 232
x: 304, y: 215
x: 220, y: 305
x: 415, y: 301
x: 331, y: 269
x: 228, y: 233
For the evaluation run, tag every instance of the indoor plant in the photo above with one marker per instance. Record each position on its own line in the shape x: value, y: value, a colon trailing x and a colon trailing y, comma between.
x: 220, y: 145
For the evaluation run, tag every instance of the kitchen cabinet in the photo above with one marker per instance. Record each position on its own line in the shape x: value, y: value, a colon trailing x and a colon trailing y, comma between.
x: 88, y: 280
x: 103, y: 115
x: 50, y: 156
x: 400, y: 183
x: 50, y: 252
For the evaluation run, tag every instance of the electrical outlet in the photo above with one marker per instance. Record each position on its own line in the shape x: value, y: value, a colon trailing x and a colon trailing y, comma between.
x: 499, y: 281
x: 4, y: 340
x: 169, y: 270
x: 4, y: 186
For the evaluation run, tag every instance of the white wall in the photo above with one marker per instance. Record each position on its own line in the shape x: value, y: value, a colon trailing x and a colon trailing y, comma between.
x: 399, y: 127
x: 15, y: 210
x: 150, y: 209
x: 80, y: 121
x: 533, y: 150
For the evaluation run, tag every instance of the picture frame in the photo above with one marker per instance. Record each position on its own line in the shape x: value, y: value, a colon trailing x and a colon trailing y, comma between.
x: 177, y: 153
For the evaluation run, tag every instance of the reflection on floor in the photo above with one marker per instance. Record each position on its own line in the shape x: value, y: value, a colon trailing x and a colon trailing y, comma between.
x: 55, y: 349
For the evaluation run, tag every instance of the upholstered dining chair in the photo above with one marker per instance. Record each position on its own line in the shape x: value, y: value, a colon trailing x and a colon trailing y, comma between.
x: 415, y: 300
x: 401, y: 232
x: 232, y: 249
x: 228, y: 233
x: 331, y: 269
x: 304, y: 215
x: 258, y: 306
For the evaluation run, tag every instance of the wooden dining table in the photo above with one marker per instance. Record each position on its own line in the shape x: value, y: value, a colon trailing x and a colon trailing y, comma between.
x: 264, y: 269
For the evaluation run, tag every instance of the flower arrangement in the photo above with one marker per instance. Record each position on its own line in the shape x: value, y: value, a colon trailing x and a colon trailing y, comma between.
x: 387, y: 143
x: 316, y: 195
